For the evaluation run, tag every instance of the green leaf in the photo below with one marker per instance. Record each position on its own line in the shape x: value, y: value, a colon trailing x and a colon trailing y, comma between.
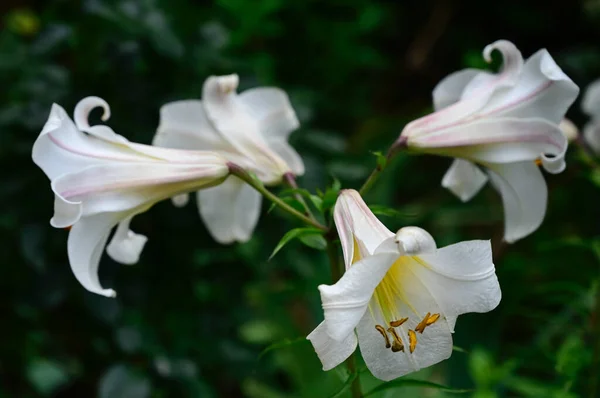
x: 315, y: 241
x: 346, y: 385
x: 295, y: 233
x: 317, y: 202
x: 281, y: 344
x: 415, y: 383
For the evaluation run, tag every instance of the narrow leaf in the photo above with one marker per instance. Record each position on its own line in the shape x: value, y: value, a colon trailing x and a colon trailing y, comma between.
x: 293, y: 234
x: 415, y: 383
x: 315, y: 241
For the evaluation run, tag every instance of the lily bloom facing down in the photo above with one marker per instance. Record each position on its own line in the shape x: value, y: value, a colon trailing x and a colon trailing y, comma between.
x: 400, y: 293
x: 100, y: 179
x: 250, y: 129
x: 508, y: 123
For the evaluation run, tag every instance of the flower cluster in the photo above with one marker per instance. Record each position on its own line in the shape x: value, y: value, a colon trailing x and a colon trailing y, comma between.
x: 400, y: 295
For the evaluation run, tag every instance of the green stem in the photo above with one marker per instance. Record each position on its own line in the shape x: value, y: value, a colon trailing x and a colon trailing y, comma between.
x: 336, y: 274
x: 290, y: 180
x: 374, y: 176
x: 258, y: 185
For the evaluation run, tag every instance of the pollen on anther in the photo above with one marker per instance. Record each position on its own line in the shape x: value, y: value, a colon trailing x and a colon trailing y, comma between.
x: 398, y: 322
x: 432, y: 319
x: 398, y: 345
x: 412, y: 340
x: 381, y: 330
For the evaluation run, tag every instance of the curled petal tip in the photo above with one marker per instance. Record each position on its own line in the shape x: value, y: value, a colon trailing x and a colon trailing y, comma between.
x: 414, y: 240
x: 85, y: 106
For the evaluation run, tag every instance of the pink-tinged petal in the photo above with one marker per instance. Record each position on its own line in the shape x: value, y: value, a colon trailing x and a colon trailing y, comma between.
x: 524, y: 195
x: 126, y: 246
x: 345, y: 302
x: 542, y: 91
x: 500, y: 140
x: 230, y: 211
x: 590, y: 103
x: 475, y: 96
x: 355, y: 221
x: 464, y: 179
x: 331, y: 352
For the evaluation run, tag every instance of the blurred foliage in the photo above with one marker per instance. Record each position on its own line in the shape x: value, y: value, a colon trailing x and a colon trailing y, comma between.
x: 192, y: 318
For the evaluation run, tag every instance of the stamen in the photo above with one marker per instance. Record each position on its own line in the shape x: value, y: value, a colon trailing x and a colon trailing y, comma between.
x: 398, y: 322
x: 428, y: 320
x: 398, y: 345
x: 412, y: 340
x: 538, y: 162
x: 381, y: 330
x: 423, y: 324
x: 432, y: 319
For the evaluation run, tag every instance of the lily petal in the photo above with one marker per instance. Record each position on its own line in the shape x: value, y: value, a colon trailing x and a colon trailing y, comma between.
x: 85, y: 245
x: 231, y: 119
x: 345, y: 302
x: 542, y: 91
x: 331, y: 352
x: 464, y: 179
x: 506, y: 140
x: 354, y: 221
x: 524, y: 195
x: 272, y: 109
x: 432, y: 346
x: 230, y: 210
x: 450, y: 89
x: 461, y: 278
x: 126, y: 246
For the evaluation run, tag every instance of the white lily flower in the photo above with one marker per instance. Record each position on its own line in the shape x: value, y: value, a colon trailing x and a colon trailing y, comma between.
x: 507, y: 123
x: 250, y: 129
x: 100, y: 179
x: 400, y: 293
x: 591, y: 106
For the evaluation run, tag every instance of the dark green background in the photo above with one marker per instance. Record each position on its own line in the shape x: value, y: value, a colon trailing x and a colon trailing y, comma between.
x: 192, y: 317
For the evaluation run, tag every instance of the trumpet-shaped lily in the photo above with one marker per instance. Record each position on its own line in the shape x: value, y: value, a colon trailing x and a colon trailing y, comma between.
x: 591, y: 106
x: 507, y: 123
x: 400, y: 293
x: 251, y: 129
x: 100, y: 179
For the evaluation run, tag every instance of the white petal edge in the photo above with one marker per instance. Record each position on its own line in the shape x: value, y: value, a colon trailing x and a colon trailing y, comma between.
x: 126, y: 246
x: 345, y: 302
x: 230, y: 211
x: 461, y: 277
x: 449, y: 90
x: 524, y: 196
x: 331, y: 352
x: 85, y: 246
x: 354, y: 220
x: 464, y: 179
